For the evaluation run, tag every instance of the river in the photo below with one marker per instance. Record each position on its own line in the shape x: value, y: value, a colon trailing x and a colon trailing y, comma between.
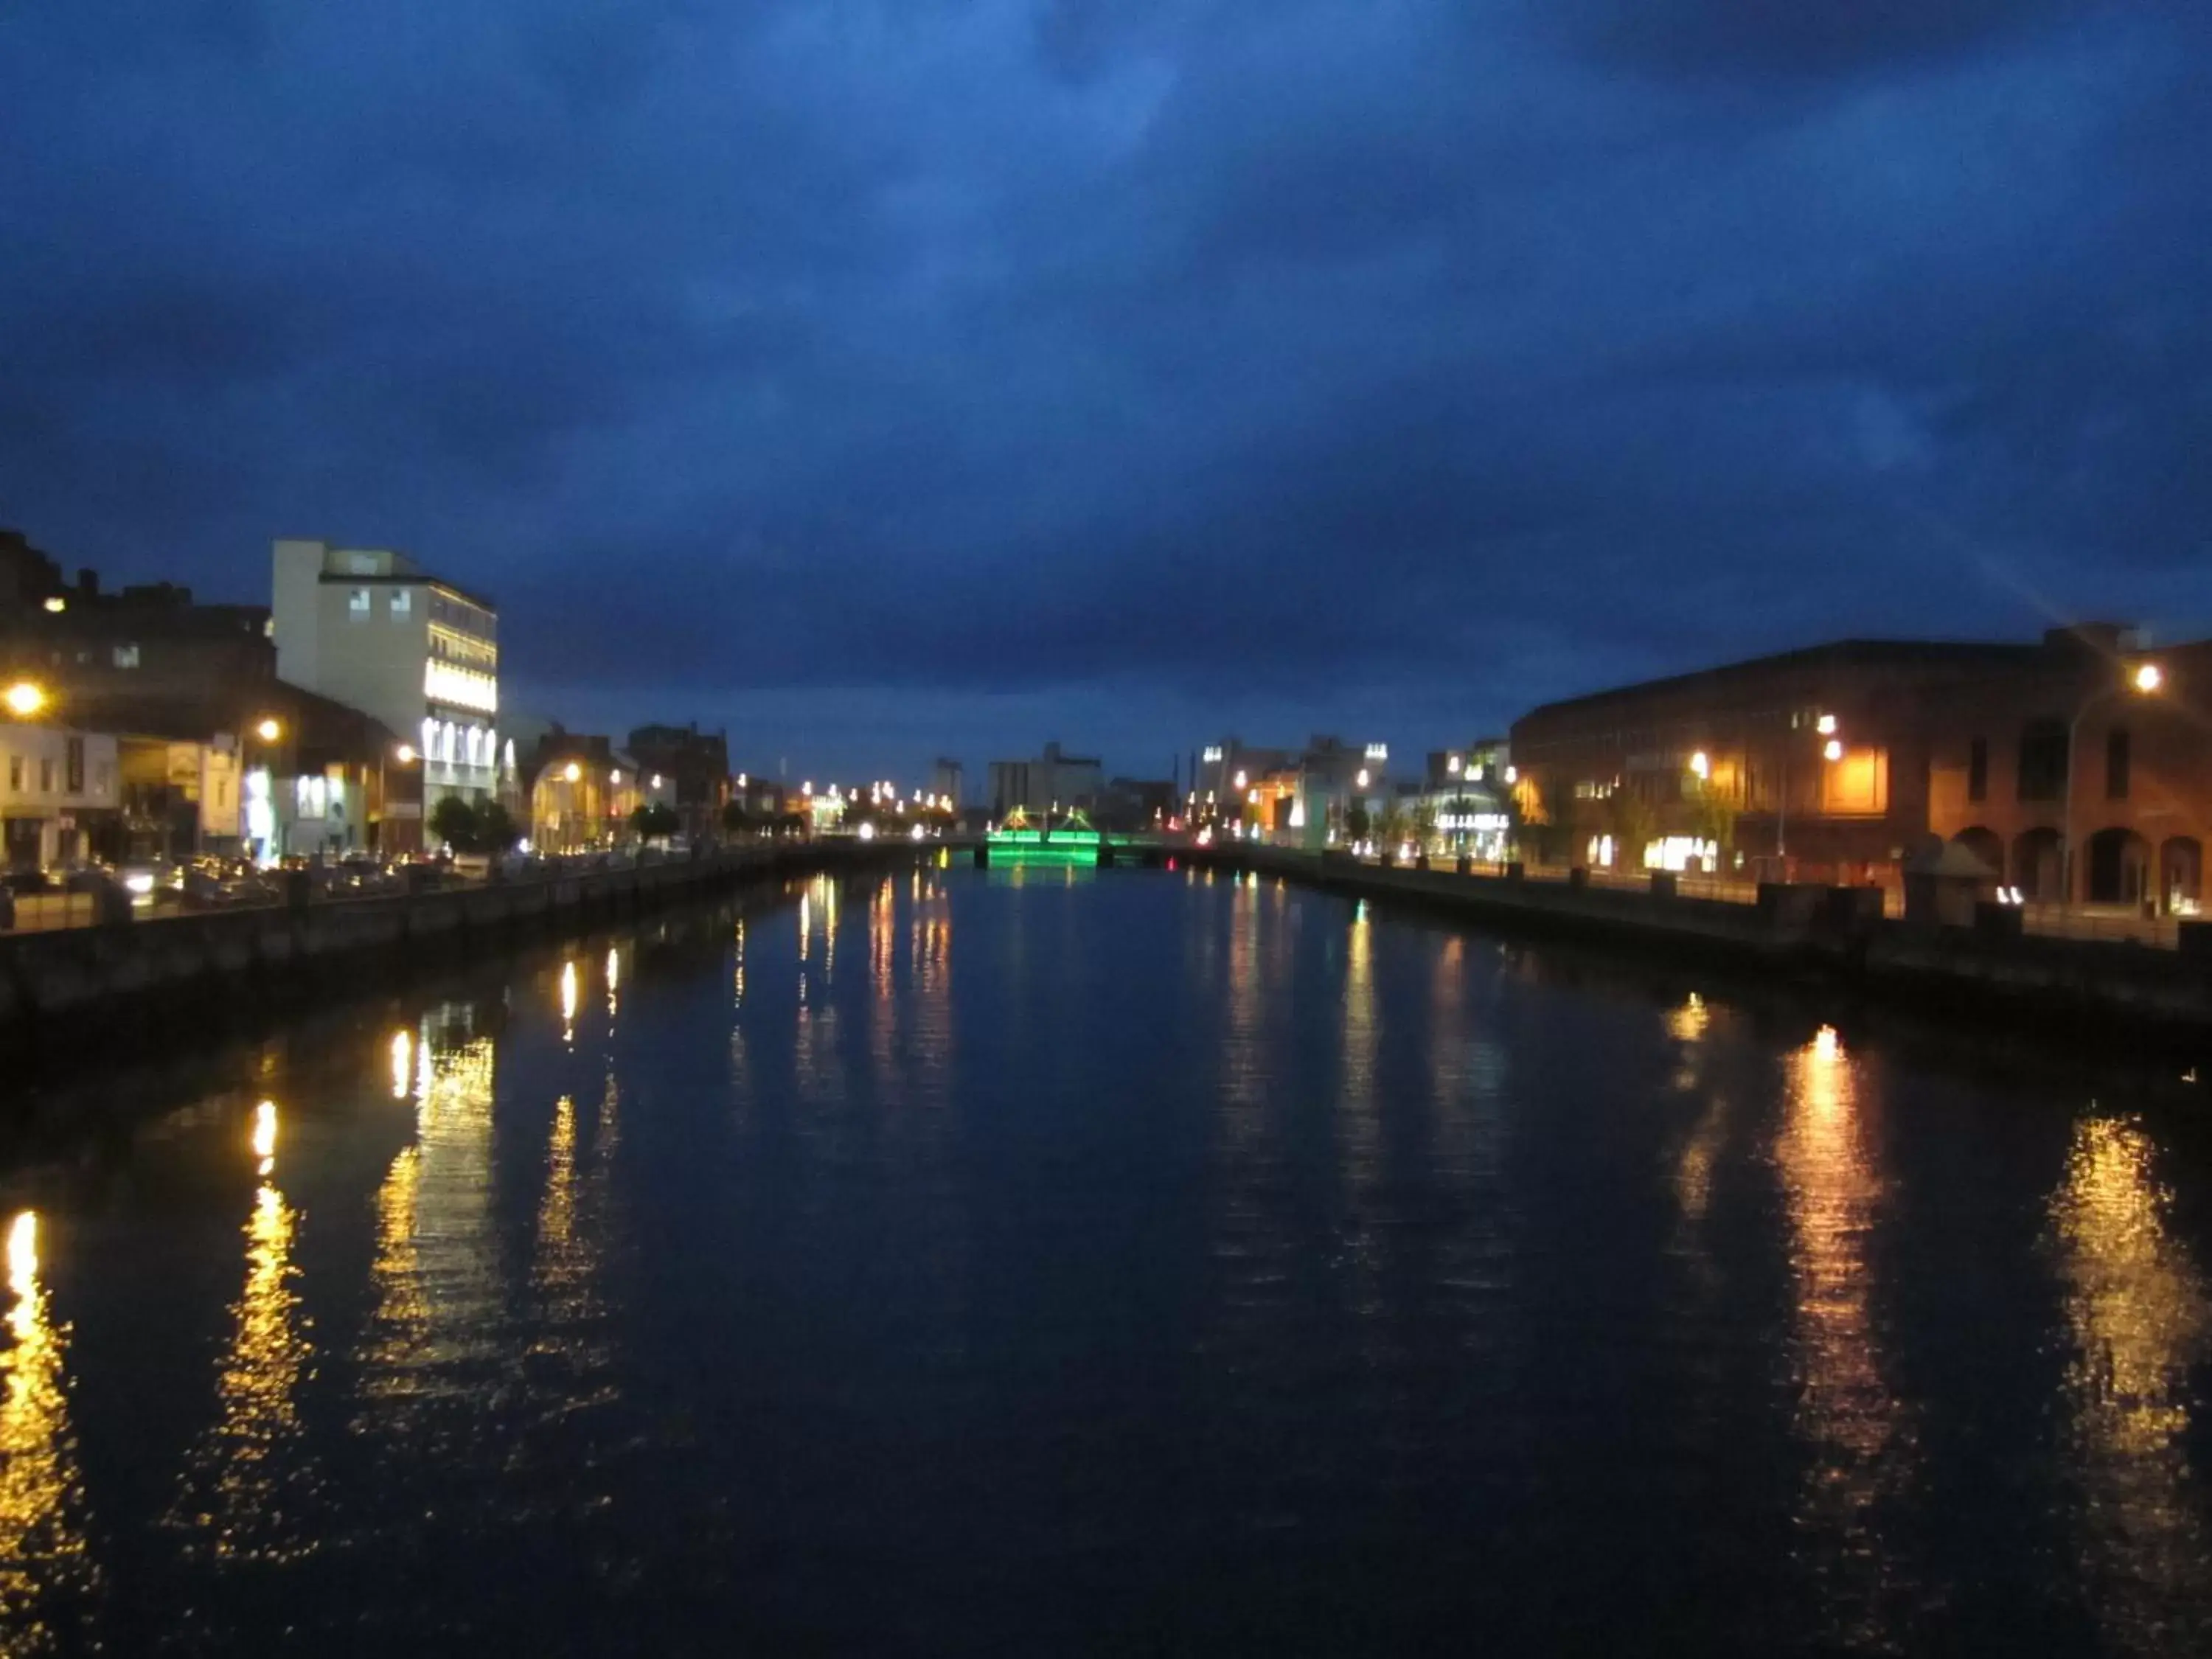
x: 1016, y: 1262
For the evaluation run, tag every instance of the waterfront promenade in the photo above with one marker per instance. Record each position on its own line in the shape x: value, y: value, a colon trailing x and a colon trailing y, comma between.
x: 1836, y: 938
x: 63, y: 983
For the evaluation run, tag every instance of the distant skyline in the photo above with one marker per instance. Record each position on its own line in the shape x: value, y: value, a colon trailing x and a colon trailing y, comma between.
x: 882, y: 380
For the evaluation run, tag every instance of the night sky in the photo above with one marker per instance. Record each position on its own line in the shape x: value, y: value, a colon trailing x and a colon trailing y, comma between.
x: 905, y: 375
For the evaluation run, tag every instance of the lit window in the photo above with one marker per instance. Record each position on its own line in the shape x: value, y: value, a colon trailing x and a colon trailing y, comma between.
x: 126, y: 656
x: 358, y: 604
x: 403, y: 602
x: 15, y: 774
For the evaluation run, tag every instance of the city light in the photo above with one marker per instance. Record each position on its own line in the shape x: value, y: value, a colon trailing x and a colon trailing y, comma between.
x: 918, y: 832
x: 264, y: 1134
x: 269, y: 729
x: 656, y: 780
x: 2148, y: 677
x: 1834, y: 750
x: 25, y: 699
x: 56, y: 604
x: 867, y: 832
x: 1702, y: 764
x: 1826, y: 725
x: 1512, y: 775
x: 614, y: 776
x: 405, y: 754
x: 1241, y: 779
x: 572, y: 772
x: 1451, y: 764
x: 1362, y: 779
x: 806, y: 788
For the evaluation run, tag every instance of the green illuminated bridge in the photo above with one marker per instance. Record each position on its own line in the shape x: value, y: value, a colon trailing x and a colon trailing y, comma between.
x: 1069, y: 839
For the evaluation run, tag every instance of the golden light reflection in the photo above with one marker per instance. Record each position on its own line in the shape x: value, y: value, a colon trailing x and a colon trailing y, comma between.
x: 1687, y: 1024
x: 569, y: 997
x: 614, y: 982
x: 264, y: 1134
x: 44, y: 1560
x: 1851, y: 1419
x: 737, y: 968
x: 402, y: 1064
x: 245, y: 1478
x: 2137, y: 1312
x: 435, y: 1273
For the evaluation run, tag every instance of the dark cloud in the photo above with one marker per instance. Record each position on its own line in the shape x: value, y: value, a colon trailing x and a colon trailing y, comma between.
x: 1043, y: 363
x: 1809, y: 38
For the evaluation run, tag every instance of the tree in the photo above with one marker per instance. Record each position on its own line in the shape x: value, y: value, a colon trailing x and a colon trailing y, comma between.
x: 1712, y: 815
x: 793, y: 823
x: 1633, y: 824
x: 453, y: 821
x: 496, y: 830
x: 656, y: 821
x: 469, y: 826
x: 736, y: 820
x: 1356, y: 822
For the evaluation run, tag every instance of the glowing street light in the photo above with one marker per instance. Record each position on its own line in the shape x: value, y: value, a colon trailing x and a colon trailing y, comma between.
x: 1362, y: 779
x: 1241, y: 779
x: 572, y: 772
x: 269, y: 729
x: 2144, y: 680
x: 24, y: 699
x: 405, y: 754
x: 1702, y: 764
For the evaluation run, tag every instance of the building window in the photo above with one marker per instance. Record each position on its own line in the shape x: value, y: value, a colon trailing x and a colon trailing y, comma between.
x: 1977, y: 769
x: 73, y: 757
x: 2043, y: 760
x: 15, y: 774
x: 403, y: 602
x: 103, y: 778
x: 2116, y: 765
x: 46, y: 774
x: 357, y: 604
x: 126, y: 656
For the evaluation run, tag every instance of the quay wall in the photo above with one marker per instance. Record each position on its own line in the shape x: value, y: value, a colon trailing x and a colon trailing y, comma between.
x: 1819, y: 936
x: 70, y: 984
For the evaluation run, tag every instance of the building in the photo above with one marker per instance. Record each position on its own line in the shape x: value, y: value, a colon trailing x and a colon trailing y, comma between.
x: 583, y: 791
x: 2098, y: 733
x: 60, y: 791
x: 1137, y: 803
x: 694, y: 770
x: 945, y: 781
x: 372, y: 629
x: 1836, y: 762
x: 77, y: 640
x: 1053, y: 782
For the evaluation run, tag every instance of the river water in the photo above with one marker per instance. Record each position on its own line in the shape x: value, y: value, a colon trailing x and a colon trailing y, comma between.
x: 1023, y: 1263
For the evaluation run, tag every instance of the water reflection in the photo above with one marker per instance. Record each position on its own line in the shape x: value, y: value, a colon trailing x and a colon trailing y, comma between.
x: 434, y: 1276
x: 2137, y: 1313
x: 45, y: 1564
x: 403, y: 1063
x: 1848, y: 1417
x: 570, y: 997
x: 246, y: 1481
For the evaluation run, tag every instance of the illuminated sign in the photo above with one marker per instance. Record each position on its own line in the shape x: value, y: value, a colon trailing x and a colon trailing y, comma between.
x: 1214, y: 755
x: 1379, y: 751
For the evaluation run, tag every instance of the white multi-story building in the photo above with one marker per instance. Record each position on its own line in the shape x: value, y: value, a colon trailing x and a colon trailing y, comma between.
x: 55, y: 785
x: 371, y: 628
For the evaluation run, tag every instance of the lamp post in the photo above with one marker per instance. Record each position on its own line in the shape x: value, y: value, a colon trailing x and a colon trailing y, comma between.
x: 2144, y: 680
x: 1831, y: 749
x: 24, y: 699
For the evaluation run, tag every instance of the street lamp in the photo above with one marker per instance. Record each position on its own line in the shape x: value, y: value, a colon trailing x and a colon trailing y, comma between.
x: 1830, y: 751
x: 24, y: 699
x: 572, y: 772
x: 269, y: 729
x: 2144, y: 680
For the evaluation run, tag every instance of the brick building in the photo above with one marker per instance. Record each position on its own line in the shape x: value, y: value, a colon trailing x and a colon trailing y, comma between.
x: 1833, y: 763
